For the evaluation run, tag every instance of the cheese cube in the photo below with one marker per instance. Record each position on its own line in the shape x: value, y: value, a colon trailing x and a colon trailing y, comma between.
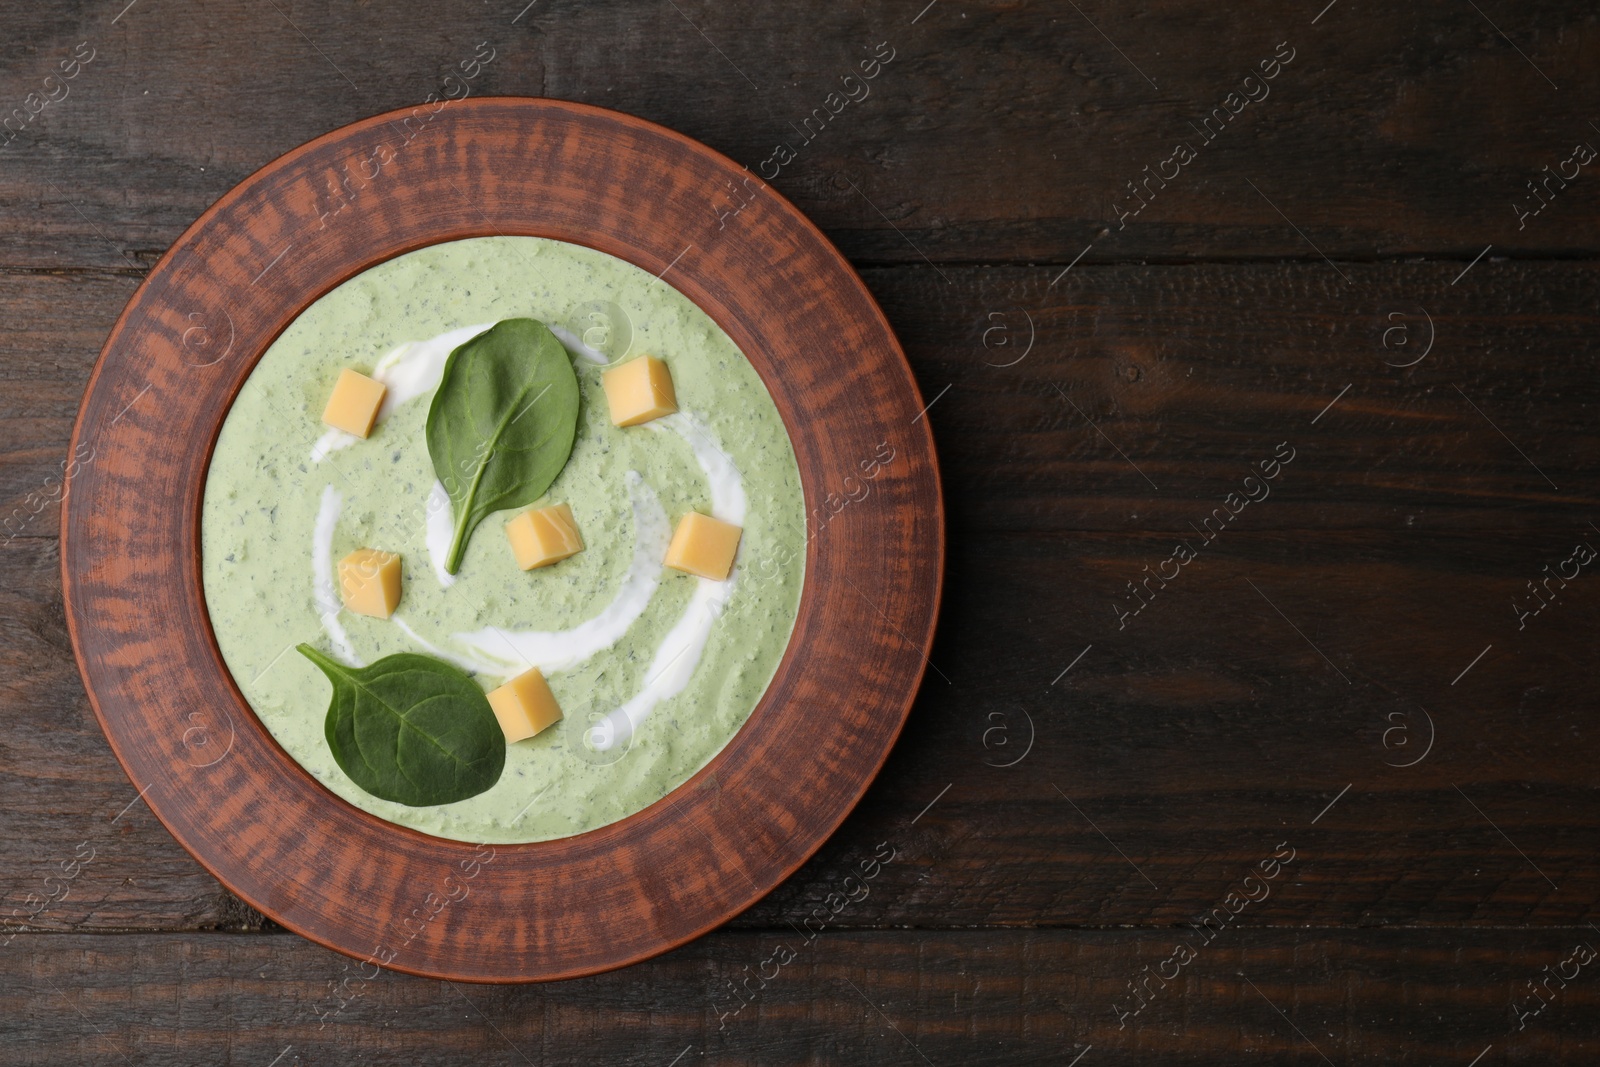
x: 369, y: 582
x: 704, y: 546
x: 353, y: 407
x: 543, y: 536
x: 638, y: 391
x: 524, y: 706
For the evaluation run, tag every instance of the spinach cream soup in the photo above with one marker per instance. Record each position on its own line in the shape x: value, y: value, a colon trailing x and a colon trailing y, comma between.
x: 654, y: 669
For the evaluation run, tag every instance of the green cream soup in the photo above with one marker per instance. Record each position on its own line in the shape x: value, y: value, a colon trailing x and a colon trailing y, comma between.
x: 655, y: 670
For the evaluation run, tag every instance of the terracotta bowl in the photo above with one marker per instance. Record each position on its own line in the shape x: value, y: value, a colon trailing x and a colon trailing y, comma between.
x: 130, y: 534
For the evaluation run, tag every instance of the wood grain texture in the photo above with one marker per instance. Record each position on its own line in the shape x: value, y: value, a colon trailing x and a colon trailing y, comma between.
x: 206, y: 766
x: 913, y: 997
x: 1000, y: 131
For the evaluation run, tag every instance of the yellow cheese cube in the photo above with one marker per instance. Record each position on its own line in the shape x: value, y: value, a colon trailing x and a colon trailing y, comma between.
x: 543, y: 536
x: 369, y: 582
x: 638, y: 391
x: 704, y: 546
x: 353, y: 407
x: 524, y: 706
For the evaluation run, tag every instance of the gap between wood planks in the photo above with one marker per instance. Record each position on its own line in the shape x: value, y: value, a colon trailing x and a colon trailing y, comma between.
x: 1409, y: 259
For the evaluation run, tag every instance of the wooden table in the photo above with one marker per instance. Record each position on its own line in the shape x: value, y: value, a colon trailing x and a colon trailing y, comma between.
x: 1259, y: 723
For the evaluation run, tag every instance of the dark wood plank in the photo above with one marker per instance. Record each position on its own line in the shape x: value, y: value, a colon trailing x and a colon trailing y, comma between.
x: 1393, y: 131
x: 1197, y: 373
x: 1196, y: 738
x: 1188, y: 370
x: 1005, y: 999
x: 59, y: 322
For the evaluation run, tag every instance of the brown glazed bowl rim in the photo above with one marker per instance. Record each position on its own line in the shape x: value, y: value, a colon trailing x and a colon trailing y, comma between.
x: 209, y: 769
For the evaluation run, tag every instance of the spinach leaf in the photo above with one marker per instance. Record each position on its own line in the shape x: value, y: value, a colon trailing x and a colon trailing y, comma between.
x: 502, y: 422
x: 411, y: 729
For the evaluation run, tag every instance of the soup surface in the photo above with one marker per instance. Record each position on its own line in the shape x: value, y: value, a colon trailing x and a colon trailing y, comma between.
x: 655, y: 670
